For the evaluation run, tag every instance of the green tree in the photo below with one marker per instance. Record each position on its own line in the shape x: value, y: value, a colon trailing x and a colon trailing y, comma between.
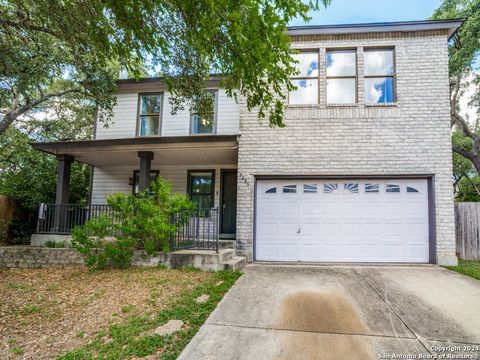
x: 466, y: 180
x: 29, y: 177
x: 55, y: 49
x: 464, y: 74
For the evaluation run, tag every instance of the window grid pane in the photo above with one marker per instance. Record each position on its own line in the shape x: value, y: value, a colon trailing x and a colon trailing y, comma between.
x: 341, y: 63
x: 150, y: 104
x: 307, y: 65
x: 341, y: 91
x: 203, y: 124
x: 306, y: 93
x: 149, y: 125
x: 379, y: 90
x: 379, y: 62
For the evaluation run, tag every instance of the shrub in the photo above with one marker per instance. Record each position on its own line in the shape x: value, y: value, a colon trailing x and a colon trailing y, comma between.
x: 141, y: 221
x: 55, y: 244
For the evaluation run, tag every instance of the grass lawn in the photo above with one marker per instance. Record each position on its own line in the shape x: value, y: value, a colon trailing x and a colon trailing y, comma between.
x: 112, y: 314
x: 469, y: 268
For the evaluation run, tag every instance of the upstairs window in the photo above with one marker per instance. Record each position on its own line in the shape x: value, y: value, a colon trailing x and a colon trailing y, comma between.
x: 306, y: 80
x: 149, y: 114
x: 379, y: 76
x: 341, y: 77
x: 204, y: 123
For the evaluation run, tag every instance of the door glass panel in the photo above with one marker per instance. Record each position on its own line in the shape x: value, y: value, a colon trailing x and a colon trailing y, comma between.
x: 290, y: 189
x: 372, y: 188
x: 393, y: 188
x: 309, y: 188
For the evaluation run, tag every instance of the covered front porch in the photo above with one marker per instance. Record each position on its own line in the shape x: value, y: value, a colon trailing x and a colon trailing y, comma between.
x: 204, y: 167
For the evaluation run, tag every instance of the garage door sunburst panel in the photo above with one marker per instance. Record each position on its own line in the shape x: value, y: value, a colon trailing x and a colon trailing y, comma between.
x: 330, y: 188
x: 351, y: 187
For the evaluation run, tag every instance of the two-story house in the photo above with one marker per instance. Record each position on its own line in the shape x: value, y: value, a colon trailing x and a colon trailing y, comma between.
x: 362, y: 172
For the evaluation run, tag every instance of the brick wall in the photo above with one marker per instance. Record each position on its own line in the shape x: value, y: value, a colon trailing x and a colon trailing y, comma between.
x: 38, y: 257
x: 43, y: 257
x: 410, y: 137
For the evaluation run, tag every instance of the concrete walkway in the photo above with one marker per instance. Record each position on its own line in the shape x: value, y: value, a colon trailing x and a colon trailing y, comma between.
x: 343, y: 312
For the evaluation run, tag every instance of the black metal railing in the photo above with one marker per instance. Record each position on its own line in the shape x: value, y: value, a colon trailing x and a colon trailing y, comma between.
x: 62, y: 218
x: 196, y: 229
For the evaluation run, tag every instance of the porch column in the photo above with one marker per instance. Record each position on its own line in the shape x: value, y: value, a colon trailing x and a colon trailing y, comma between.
x: 146, y: 158
x: 63, y: 178
x: 60, y: 220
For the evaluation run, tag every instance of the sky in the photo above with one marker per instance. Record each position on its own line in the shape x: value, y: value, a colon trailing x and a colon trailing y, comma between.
x: 361, y: 11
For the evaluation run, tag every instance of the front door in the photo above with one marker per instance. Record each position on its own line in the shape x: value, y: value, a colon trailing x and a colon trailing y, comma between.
x: 229, y: 202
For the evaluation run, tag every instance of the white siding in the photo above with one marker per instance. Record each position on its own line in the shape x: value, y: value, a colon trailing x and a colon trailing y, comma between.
x: 123, y: 124
x: 124, y: 121
x: 228, y: 113
x: 108, y: 180
x: 174, y: 125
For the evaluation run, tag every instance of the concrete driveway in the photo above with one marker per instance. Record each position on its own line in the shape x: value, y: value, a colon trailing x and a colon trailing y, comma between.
x: 343, y: 312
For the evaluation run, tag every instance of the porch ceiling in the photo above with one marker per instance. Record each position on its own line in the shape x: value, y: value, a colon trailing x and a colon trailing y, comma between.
x: 174, y: 150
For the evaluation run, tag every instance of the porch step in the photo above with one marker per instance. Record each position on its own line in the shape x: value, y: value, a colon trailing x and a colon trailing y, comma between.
x: 208, y: 260
x: 226, y: 244
x: 235, y: 263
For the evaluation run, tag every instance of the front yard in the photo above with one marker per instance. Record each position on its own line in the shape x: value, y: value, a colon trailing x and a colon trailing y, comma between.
x: 77, y: 314
x: 469, y: 268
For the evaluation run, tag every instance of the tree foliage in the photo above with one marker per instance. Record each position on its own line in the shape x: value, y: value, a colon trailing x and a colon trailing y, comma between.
x: 464, y: 74
x: 29, y: 176
x: 55, y: 49
x: 140, y: 222
x: 466, y: 179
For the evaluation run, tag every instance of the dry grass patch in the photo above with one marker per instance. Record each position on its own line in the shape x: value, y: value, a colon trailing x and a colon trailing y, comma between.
x: 46, y: 312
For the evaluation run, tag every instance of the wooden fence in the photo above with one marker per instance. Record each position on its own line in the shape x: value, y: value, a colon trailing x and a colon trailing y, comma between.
x: 7, y: 208
x: 467, y: 225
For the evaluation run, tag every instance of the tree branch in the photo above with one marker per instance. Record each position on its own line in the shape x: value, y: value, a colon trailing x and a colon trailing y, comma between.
x: 12, y: 115
x: 465, y: 153
x: 28, y: 26
x: 462, y: 123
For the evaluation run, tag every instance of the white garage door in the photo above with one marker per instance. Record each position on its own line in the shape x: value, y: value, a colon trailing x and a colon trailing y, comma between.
x: 342, y: 220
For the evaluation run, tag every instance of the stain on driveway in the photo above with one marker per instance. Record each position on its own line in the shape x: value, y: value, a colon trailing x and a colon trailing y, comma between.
x: 340, y: 312
x: 321, y: 312
x: 316, y: 311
